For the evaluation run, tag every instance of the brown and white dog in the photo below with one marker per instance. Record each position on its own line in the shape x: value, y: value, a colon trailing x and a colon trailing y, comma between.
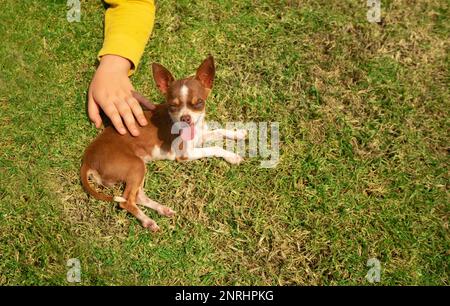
x: 176, y: 130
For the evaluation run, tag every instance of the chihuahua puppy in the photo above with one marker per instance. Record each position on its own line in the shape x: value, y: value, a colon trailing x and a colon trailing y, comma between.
x: 175, y: 131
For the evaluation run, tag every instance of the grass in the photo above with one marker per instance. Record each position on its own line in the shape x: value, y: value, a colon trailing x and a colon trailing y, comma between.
x: 363, y: 111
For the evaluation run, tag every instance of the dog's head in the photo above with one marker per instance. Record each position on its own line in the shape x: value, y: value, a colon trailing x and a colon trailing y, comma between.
x: 186, y: 98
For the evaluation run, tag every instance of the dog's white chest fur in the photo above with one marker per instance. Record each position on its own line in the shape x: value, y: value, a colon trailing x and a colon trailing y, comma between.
x: 158, y: 153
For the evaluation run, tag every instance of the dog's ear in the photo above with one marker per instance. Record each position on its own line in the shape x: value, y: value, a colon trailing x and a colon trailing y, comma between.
x: 206, y: 71
x: 162, y: 77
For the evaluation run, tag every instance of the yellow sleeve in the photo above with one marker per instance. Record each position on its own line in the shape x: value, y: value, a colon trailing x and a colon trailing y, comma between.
x: 128, y: 25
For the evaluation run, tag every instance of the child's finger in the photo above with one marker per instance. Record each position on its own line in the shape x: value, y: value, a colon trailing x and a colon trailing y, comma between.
x: 127, y: 116
x: 142, y: 100
x: 137, y: 111
x: 111, y: 111
x: 94, y: 112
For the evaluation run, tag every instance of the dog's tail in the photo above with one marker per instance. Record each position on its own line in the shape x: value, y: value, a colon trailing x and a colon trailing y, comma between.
x: 85, y: 182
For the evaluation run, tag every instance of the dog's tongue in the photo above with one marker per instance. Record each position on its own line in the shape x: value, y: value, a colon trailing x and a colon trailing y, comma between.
x: 188, y: 133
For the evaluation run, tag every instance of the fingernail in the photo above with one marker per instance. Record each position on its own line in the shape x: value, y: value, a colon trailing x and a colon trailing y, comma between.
x: 122, y: 131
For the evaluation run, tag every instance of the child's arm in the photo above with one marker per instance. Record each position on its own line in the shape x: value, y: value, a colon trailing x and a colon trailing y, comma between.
x: 128, y: 24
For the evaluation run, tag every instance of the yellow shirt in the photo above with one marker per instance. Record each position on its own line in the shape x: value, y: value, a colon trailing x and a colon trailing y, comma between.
x: 128, y: 25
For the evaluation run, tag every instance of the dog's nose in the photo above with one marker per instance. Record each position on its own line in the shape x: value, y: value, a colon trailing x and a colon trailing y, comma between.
x: 186, y: 118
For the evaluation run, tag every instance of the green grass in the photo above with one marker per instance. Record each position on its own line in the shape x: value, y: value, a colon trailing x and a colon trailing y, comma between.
x: 363, y: 111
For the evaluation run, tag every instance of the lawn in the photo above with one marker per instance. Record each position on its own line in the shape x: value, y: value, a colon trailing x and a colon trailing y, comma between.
x: 363, y: 173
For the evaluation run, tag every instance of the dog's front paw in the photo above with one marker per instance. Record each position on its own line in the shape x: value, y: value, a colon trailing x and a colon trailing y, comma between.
x: 240, y: 134
x: 151, y: 225
x: 166, y: 211
x: 234, y: 159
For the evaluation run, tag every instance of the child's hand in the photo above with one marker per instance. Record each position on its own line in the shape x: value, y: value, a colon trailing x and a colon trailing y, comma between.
x: 112, y: 91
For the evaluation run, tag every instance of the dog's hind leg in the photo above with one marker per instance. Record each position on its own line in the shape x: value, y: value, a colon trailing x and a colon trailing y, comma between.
x: 142, y: 199
x: 133, y: 185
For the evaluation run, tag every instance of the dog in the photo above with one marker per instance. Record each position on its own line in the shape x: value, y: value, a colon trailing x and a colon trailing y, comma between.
x: 175, y: 131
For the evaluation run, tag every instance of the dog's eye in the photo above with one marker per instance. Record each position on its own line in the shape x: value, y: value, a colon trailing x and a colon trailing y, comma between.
x: 199, y: 103
x: 173, y: 108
